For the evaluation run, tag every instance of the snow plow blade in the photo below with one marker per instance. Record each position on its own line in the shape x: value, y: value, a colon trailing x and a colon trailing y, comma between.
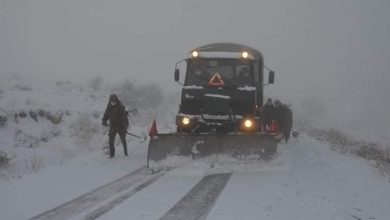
x: 170, y: 150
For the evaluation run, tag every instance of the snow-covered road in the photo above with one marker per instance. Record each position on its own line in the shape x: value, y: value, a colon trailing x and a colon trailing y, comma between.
x: 306, y: 181
x: 96, y: 196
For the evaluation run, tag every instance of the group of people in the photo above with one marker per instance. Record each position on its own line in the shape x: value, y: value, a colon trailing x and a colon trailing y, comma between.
x: 281, y: 114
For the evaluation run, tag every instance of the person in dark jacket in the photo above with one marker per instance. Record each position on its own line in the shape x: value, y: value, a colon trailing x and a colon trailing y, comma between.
x: 268, y: 113
x: 117, y: 115
x: 288, y: 120
x: 278, y: 114
x: 284, y: 118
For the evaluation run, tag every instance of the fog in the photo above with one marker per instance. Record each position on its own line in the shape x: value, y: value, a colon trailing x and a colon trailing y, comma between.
x: 332, y: 56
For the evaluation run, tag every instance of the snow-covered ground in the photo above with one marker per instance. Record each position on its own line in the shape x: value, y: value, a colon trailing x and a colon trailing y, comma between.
x: 51, y: 165
x: 307, y: 181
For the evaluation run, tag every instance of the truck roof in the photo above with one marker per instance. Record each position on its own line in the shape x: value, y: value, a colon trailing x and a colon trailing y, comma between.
x: 229, y: 47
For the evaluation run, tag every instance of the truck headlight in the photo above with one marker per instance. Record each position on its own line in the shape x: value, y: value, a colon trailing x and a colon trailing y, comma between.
x: 195, y: 53
x: 185, y: 121
x: 244, y: 54
x: 248, y: 123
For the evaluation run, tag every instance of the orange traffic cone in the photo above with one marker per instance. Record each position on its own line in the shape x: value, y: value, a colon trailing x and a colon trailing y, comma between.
x: 274, y: 127
x: 153, y: 130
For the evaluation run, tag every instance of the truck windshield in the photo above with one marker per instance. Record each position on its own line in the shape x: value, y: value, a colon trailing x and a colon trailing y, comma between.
x: 234, y: 72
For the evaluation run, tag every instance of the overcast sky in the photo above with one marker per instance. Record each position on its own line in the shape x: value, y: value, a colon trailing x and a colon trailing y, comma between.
x: 335, y: 51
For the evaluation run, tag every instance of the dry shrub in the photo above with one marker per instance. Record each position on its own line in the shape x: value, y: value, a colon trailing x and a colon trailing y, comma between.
x: 55, y: 118
x: 34, y: 163
x: 3, y: 118
x: 23, y: 87
x: 4, y: 158
x: 24, y: 140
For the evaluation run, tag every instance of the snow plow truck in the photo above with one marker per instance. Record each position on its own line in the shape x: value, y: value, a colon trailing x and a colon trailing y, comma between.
x: 220, y: 113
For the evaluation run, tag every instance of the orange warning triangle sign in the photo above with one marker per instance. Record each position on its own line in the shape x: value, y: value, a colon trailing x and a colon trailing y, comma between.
x: 216, y: 80
x: 153, y: 130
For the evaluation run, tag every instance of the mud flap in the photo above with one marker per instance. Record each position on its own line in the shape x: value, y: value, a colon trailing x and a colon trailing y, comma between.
x: 166, y: 150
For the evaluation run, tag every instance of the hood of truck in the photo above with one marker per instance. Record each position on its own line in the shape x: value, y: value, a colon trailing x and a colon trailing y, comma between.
x: 198, y: 100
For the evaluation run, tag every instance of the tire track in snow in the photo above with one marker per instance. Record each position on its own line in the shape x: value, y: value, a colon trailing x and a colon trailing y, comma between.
x: 110, y: 205
x: 88, y: 200
x: 198, y: 202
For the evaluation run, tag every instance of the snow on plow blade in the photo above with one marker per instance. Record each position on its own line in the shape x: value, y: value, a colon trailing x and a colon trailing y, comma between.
x: 167, y: 150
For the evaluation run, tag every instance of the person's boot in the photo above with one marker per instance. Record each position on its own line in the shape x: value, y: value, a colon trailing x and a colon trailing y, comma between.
x: 112, y: 151
x: 124, y: 143
x: 125, y: 149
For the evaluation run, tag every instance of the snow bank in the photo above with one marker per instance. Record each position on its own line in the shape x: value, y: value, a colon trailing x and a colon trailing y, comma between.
x: 45, y: 122
x: 377, y: 152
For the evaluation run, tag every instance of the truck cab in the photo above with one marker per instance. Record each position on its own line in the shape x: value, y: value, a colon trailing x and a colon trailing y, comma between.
x: 222, y: 90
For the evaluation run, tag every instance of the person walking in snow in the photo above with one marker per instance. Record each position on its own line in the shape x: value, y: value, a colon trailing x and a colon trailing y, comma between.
x: 288, y: 122
x: 117, y: 115
x: 268, y: 113
x: 284, y: 118
x: 279, y: 114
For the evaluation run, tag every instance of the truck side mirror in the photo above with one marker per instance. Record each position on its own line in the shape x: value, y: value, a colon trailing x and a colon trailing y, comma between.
x: 177, y: 75
x: 271, y: 77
